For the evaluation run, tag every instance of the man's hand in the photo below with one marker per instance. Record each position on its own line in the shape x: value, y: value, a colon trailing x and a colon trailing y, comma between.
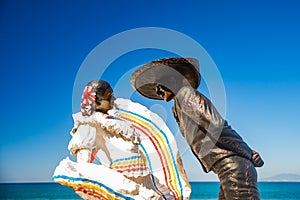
x: 256, y: 159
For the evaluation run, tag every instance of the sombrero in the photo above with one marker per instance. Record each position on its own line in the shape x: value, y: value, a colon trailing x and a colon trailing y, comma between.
x: 146, y: 77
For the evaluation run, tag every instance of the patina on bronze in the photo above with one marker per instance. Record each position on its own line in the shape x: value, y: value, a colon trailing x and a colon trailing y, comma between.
x: 201, y: 124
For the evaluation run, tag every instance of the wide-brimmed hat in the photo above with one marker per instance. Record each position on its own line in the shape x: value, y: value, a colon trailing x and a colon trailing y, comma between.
x: 164, y: 71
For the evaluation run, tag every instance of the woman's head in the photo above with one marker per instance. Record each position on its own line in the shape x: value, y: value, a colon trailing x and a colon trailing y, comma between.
x: 97, y: 97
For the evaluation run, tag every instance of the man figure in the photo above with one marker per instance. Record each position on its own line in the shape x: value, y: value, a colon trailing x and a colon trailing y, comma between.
x: 215, y: 144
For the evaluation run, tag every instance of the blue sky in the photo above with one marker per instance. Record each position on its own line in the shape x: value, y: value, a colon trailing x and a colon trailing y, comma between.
x: 254, y: 44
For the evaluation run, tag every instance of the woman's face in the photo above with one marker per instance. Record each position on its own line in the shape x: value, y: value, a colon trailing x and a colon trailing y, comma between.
x: 105, y: 103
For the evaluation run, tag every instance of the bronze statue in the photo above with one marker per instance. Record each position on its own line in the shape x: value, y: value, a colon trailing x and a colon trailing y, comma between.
x: 201, y: 125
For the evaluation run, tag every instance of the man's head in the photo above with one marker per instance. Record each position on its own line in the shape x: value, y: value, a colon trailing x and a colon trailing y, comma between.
x: 167, y: 87
x: 165, y: 93
x: 162, y: 79
x: 97, y: 97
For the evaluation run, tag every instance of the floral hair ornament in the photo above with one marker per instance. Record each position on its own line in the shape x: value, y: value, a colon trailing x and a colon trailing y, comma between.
x: 88, y: 98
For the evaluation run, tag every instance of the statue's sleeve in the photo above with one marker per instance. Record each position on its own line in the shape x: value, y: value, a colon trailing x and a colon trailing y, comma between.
x: 83, y: 138
x: 200, y: 109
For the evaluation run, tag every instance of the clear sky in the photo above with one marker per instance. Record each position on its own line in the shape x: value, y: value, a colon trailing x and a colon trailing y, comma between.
x: 254, y: 44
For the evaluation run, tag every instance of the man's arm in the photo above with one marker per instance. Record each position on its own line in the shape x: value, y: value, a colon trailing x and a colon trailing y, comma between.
x: 200, y: 109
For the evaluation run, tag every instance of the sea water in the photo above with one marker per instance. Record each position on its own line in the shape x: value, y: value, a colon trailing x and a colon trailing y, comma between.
x: 36, y: 191
x: 267, y: 190
x: 200, y: 190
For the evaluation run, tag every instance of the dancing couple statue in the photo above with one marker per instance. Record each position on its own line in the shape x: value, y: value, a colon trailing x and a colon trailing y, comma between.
x: 140, y: 150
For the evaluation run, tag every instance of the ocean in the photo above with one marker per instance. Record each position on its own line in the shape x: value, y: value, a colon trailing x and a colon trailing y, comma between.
x: 200, y: 190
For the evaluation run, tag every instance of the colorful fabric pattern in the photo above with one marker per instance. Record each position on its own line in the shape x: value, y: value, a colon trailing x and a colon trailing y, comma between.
x: 90, y: 188
x: 93, y: 181
x: 158, y: 145
x: 130, y: 166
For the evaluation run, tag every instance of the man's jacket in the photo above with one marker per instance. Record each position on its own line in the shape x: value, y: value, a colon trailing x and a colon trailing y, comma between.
x: 208, y: 134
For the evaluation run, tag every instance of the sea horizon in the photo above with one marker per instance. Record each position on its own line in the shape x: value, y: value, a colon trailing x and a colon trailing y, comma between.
x: 207, y: 181
x: 200, y: 190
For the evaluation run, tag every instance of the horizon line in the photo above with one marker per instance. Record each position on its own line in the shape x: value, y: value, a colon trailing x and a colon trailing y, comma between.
x: 194, y: 181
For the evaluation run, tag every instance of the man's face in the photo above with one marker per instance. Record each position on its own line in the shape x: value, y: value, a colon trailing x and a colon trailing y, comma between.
x: 105, y: 102
x: 164, y: 93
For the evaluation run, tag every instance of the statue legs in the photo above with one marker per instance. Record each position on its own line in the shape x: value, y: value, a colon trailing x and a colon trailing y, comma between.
x: 238, y: 178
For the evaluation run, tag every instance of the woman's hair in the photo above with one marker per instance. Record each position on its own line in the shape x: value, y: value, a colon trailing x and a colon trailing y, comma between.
x: 100, y: 88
